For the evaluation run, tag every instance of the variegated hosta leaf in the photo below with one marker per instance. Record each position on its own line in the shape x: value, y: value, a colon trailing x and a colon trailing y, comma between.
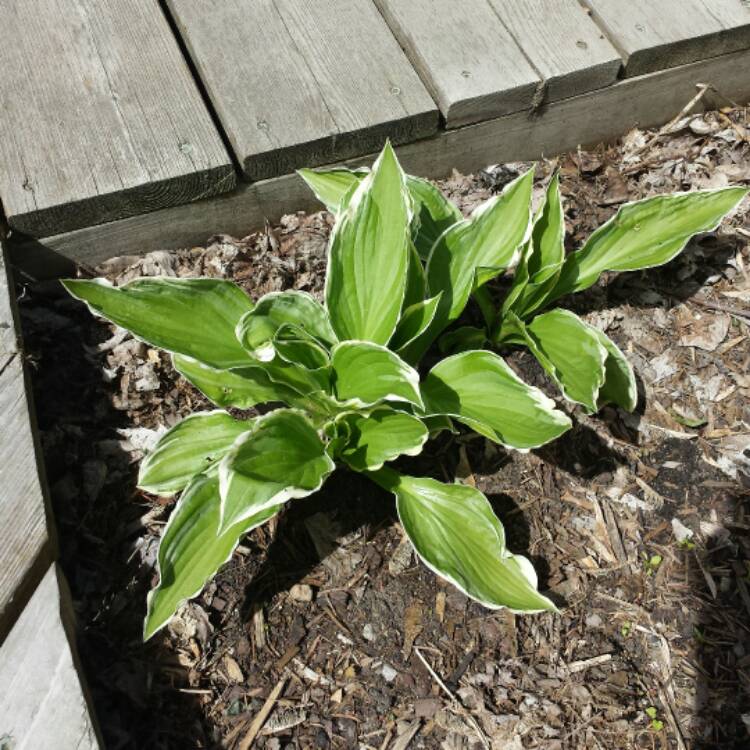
x: 187, y: 449
x: 258, y: 327
x: 242, y: 388
x: 489, y: 238
x: 644, y: 234
x: 456, y: 534
x: 296, y: 346
x: 281, y: 458
x: 194, y: 317
x: 331, y: 185
x: 571, y: 353
x: 433, y: 214
x: 414, y: 320
x: 192, y: 550
x: 365, y: 374
x: 416, y: 282
x: 368, y: 255
x: 381, y: 436
x: 463, y: 339
x: 540, y: 266
x: 480, y: 390
x: 619, y: 385
x: 298, y: 378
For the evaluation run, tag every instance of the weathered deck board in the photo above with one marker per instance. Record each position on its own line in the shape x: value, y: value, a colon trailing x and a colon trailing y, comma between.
x: 467, y: 58
x: 569, y: 51
x: 8, y: 341
x: 656, y: 35
x: 42, y: 702
x: 303, y: 82
x: 25, y: 544
x: 100, y: 116
x: 645, y: 101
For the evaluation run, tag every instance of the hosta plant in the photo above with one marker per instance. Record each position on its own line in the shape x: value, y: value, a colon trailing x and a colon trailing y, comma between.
x: 461, y: 255
x: 341, y: 380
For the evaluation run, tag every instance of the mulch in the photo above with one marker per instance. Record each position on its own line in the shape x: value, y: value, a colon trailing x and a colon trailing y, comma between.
x: 324, y: 630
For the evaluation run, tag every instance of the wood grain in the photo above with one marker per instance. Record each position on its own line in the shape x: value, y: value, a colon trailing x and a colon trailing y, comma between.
x: 100, y: 116
x: 656, y: 35
x: 42, y: 701
x: 466, y: 57
x: 645, y: 101
x: 303, y: 82
x: 25, y: 545
x: 8, y: 339
x: 569, y: 51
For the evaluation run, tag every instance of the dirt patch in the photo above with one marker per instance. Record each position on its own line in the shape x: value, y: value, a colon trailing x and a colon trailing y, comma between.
x: 328, y: 611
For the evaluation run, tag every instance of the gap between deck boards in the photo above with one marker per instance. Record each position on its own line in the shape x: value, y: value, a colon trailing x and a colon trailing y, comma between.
x: 598, y: 116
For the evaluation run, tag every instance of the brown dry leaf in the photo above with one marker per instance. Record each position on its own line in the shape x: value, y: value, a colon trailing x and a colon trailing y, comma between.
x: 412, y: 626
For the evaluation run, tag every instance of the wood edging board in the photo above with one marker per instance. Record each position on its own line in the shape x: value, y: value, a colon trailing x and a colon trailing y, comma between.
x: 27, y: 532
x: 596, y: 116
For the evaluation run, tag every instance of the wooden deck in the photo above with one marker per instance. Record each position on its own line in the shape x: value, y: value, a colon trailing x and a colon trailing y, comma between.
x: 116, y: 112
x: 132, y: 125
x: 42, y: 699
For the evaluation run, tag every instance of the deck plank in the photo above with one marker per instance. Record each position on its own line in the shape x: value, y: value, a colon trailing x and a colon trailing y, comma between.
x: 303, y: 82
x: 42, y: 702
x: 656, y: 35
x: 8, y: 340
x: 467, y: 58
x: 100, y: 116
x: 568, y: 50
x: 25, y: 544
x: 646, y: 101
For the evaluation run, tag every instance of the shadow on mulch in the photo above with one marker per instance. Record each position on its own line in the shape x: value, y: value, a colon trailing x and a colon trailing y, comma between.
x: 721, y: 633
x: 92, y: 483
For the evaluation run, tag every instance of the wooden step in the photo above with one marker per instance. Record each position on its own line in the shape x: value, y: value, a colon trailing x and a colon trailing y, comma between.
x: 26, y: 546
x: 42, y: 702
x: 299, y: 83
x: 656, y: 35
x: 101, y: 118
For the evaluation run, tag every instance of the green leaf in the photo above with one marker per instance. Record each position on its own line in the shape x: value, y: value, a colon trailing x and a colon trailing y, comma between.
x: 644, y: 234
x: 369, y: 255
x: 456, y: 534
x: 433, y: 214
x: 281, y: 458
x: 331, y: 185
x: 416, y: 282
x: 414, y: 320
x: 194, y: 317
x: 463, y: 339
x: 295, y: 345
x: 480, y: 390
x: 257, y: 328
x: 619, y: 385
x: 365, y: 374
x: 187, y: 449
x: 490, y: 238
x: 540, y: 265
x: 571, y: 353
x: 299, y: 379
x: 191, y: 550
x: 382, y: 436
x: 241, y: 388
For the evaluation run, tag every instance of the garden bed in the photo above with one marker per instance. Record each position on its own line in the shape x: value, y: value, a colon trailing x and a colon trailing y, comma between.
x: 329, y: 612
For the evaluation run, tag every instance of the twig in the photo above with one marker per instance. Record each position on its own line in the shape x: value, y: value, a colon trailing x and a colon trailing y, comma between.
x: 403, y: 740
x: 262, y: 715
x: 702, y: 89
x: 482, y: 737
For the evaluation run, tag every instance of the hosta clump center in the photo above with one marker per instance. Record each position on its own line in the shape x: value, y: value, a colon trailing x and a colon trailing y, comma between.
x: 402, y: 266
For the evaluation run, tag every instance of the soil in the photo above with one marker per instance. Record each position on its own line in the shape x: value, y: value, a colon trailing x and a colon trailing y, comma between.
x: 329, y: 613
